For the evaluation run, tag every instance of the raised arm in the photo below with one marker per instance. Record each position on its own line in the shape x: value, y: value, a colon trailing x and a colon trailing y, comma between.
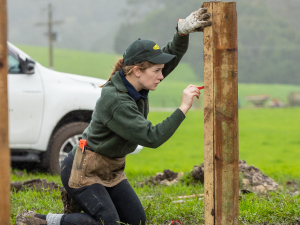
x: 178, y: 46
x: 195, y: 22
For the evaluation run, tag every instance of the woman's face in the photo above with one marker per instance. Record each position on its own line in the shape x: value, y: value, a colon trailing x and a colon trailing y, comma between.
x: 151, y: 77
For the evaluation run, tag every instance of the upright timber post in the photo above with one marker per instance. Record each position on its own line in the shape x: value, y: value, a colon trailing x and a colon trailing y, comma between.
x: 221, y: 168
x: 4, y: 147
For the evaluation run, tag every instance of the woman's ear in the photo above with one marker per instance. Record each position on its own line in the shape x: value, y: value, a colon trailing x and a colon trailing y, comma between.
x: 136, y: 71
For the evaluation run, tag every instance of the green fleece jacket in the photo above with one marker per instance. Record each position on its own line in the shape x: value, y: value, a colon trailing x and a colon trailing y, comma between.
x: 119, y: 123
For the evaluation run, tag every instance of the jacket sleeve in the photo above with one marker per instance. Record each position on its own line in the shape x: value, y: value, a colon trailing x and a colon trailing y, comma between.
x: 129, y: 123
x: 178, y: 46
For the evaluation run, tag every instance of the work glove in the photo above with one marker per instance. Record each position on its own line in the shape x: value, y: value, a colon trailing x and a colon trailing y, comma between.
x: 194, y: 22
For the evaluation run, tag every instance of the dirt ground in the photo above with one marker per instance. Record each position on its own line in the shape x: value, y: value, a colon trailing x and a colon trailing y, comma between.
x: 252, y: 179
x: 37, y: 184
x: 167, y: 177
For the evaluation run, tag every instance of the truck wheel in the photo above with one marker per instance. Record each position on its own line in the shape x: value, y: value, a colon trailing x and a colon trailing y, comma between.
x: 62, y: 142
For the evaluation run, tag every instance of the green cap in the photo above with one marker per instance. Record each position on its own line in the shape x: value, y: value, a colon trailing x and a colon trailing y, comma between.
x: 145, y: 50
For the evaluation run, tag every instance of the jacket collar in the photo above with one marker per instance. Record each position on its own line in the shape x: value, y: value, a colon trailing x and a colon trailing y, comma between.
x: 122, y: 84
x: 136, y: 95
x: 118, y: 82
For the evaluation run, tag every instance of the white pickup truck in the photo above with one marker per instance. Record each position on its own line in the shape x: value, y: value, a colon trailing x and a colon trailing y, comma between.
x: 48, y: 110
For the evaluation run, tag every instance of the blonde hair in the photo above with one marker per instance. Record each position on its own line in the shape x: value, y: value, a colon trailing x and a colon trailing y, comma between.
x: 128, y: 69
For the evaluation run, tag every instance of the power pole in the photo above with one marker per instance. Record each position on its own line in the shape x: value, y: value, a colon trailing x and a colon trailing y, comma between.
x: 4, y: 150
x: 221, y: 145
x: 51, y: 35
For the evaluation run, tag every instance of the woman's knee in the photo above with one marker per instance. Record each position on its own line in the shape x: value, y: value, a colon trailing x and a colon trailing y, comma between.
x: 95, y: 201
x: 138, y: 217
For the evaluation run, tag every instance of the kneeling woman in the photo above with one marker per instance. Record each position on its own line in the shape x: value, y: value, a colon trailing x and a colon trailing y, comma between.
x: 94, y: 176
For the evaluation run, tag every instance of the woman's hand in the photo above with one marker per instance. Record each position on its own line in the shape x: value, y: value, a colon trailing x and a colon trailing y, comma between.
x: 195, y: 22
x: 187, y: 97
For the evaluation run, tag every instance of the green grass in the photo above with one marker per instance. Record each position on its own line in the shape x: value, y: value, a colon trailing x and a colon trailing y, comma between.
x: 161, y: 210
x: 42, y: 202
x: 268, y: 139
x: 77, y: 62
x: 274, y: 208
x: 168, y: 93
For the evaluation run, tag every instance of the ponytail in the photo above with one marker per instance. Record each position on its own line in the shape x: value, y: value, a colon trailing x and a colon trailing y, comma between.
x: 128, y: 69
x: 118, y: 66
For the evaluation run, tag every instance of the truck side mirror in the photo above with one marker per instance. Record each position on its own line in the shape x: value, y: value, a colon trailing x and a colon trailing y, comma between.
x: 29, y: 66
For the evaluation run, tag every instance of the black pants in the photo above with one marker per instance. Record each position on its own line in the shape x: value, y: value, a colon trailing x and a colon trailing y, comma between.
x: 102, y: 205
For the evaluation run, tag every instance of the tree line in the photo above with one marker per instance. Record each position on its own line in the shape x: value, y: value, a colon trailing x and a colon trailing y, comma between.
x: 268, y: 35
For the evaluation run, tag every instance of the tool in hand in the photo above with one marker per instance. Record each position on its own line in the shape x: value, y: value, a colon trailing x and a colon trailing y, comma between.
x: 202, y: 87
x: 82, y: 143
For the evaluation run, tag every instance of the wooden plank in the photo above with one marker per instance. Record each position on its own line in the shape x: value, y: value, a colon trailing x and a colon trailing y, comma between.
x: 208, y: 56
x: 4, y: 150
x: 221, y: 42
x: 226, y: 112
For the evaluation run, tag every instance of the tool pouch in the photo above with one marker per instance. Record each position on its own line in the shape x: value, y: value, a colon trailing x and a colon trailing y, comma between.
x: 89, y: 168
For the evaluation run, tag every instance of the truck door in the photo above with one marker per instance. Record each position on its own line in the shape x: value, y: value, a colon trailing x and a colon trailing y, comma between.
x: 25, y: 99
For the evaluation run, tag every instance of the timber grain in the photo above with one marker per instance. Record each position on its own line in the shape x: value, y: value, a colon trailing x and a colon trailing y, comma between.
x: 221, y: 114
x: 4, y: 141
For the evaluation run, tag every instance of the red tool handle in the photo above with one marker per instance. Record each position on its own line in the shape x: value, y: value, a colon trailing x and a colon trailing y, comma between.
x: 82, y: 143
x: 202, y: 87
x: 174, y: 222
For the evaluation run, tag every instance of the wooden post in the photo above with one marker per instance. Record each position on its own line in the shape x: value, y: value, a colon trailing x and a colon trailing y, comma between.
x: 4, y: 146
x: 221, y: 169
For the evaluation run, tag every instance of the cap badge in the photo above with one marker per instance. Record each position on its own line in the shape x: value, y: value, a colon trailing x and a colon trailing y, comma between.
x: 125, y: 53
x: 156, y: 47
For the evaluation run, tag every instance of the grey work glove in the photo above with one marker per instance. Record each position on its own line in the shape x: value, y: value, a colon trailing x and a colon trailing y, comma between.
x: 194, y: 22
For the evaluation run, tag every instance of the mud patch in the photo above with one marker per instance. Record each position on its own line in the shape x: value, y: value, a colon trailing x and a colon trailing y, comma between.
x: 168, y: 177
x: 198, y: 173
x: 21, y: 217
x: 37, y: 184
x: 69, y: 205
x: 252, y: 179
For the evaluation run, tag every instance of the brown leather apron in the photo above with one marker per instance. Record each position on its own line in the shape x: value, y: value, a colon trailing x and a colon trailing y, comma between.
x: 90, y: 167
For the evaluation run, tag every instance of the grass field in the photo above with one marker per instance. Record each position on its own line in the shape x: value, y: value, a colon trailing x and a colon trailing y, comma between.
x: 268, y: 139
x: 168, y: 94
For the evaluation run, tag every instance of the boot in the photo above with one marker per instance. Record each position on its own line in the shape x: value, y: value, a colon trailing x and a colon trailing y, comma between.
x: 31, y: 218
